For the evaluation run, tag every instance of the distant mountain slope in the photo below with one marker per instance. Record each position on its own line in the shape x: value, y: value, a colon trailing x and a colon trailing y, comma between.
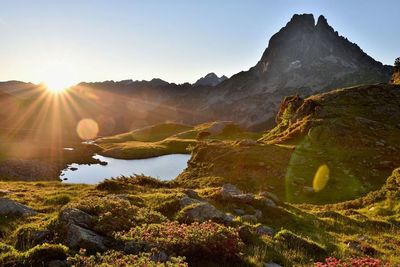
x: 210, y: 79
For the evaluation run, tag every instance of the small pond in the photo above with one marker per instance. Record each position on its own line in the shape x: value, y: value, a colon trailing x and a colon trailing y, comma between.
x: 164, y: 168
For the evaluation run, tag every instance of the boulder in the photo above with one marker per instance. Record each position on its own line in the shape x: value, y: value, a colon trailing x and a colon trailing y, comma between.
x: 11, y: 207
x: 230, y: 192
x: 77, y: 217
x: 267, y: 202
x: 264, y: 230
x: 271, y: 196
x: 245, y: 234
x: 78, y: 237
x: 187, y: 201
x: 201, y: 212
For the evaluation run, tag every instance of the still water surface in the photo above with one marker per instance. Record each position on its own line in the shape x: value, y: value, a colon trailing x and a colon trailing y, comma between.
x: 164, y: 167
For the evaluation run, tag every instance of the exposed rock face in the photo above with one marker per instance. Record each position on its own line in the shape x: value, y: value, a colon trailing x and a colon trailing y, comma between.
x: 210, y: 79
x: 302, y: 57
x: 396, y: 76
x: 10, y: 207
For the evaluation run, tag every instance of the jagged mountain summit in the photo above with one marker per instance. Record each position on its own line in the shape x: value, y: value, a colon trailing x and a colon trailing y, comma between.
x: 210, y: 79
x: 304, y: 57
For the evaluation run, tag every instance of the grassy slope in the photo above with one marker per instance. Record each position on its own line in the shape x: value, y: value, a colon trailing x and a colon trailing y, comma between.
x: 162, y: 139
x: 354, y: 131
x: 371, y: 221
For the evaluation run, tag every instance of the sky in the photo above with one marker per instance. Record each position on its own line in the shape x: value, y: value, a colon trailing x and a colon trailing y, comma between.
x: 177, y: 40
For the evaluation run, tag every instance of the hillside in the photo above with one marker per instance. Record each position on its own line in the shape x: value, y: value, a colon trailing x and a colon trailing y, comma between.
x: 354, y: 131
x: 168, y: 138
x: 48, y: 224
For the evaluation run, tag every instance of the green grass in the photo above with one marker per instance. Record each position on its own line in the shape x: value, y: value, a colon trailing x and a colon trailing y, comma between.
x: 304, y: 232
x: 168, y: 138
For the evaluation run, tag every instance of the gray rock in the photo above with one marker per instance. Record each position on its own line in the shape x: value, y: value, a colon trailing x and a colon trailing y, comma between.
x: 245, y: 233
x: 267, y: 202
x: 232, y: 193
x: 11, y: 207
x: 186, y: 201
x: 57, y: 263
x: 159, y: 256
x: 228, y: 191
x: 78, y: 237
x: 264, y: 230
x: 202, y: 212
x: 191, y: 193
x: 271, y: 196
x: 239, y: 211
x: 76, y: 216
x: 258, y: 214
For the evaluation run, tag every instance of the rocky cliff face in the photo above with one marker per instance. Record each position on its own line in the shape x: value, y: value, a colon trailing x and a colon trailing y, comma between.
x: 303, y: 57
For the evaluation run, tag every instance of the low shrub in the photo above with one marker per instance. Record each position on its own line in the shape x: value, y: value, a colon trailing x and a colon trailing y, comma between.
x: 114, y: 214
x: 123, y: 183
x: 38, y: 256
x: 59, y: 199
x: 118, y: 259
x: 197, y: 241
x: 359, y: 262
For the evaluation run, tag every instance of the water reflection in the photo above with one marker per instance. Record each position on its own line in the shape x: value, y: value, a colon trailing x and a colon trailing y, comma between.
x: 164, y: 167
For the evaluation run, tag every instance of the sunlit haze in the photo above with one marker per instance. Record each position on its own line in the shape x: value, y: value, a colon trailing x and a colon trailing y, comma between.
x: 62, y: 43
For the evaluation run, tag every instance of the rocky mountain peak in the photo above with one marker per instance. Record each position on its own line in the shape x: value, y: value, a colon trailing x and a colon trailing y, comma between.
x: 211, y: 79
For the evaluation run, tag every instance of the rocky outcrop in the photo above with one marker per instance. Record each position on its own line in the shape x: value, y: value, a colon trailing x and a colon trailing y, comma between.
x: 396, y: 76
x: 10, y: 207
x: 78, y: 237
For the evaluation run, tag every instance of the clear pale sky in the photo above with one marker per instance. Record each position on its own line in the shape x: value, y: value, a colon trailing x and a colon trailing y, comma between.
x: 177, y: 40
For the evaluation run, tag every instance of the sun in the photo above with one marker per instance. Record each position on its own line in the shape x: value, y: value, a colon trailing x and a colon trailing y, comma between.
x: 58, y: 76
x: 57, y: 85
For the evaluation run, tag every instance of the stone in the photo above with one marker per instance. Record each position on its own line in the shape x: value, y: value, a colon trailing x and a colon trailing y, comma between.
x: 191, y: 193
x: 78, y: 237
x: 201, y: 212
x: 264, y: 230
x: 76, y: 216
x: 239, y: 211
x: 232, y: 193
x: 271, y: 196
x: 57, y: 263
x: 186, y: 201
x: 160, y: 256
x: 229, y: 190
x: 258, y: 214
x: 245, y: 234
x: 267, y: 202
x: 13, y: 208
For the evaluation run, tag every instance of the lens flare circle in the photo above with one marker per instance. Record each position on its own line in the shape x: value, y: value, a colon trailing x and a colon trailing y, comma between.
x: 321, y: 178
x: 87, y: 129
